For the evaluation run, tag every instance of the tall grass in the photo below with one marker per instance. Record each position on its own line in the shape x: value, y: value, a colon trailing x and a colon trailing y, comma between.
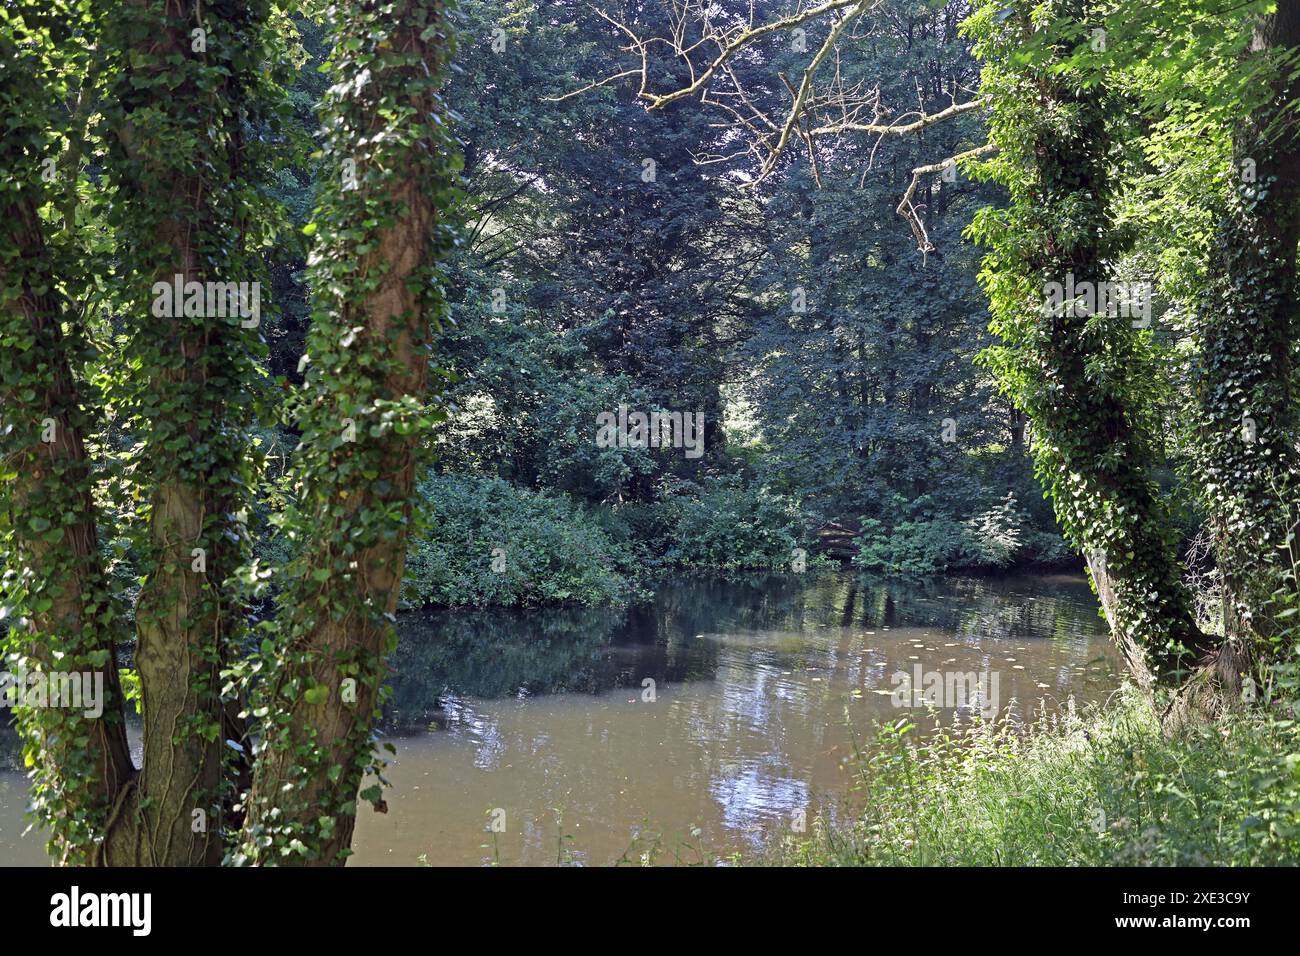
x: 1097, y: 787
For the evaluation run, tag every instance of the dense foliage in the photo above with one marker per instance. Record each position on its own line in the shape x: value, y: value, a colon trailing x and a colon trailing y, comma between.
x: 833, y: 368
x: 829, y: 280
x: 490, y: 542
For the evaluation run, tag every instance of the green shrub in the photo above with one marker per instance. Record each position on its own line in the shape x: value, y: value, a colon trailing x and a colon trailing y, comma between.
x: 723, y: 524
x: 920, y: 541
x: 912, y: 547
x: 1049, y: 549
x: 993, y: 538
x: 488, y: 542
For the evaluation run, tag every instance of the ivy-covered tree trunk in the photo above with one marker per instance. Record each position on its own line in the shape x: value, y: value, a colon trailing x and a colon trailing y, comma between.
x: 1249, y: 329
x: 383, y: 232
x: 1075, y: 370
x: 49, y: 524
x: 180, y: 99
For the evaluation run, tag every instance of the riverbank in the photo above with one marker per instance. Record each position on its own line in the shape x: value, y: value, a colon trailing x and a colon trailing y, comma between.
x: 1100, y: 786
x: 486, y: 542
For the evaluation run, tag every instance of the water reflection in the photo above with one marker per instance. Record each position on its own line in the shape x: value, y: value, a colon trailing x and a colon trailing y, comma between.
x: 758, y: 686
x: 544, y: 716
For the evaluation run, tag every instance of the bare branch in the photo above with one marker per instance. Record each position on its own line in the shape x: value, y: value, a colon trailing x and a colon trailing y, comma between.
x: 893, y: 129
x: 707, y: 41
x: 614, y: 78
x: 909, y: 212
x: 796, y: 107
x: 743, y: 39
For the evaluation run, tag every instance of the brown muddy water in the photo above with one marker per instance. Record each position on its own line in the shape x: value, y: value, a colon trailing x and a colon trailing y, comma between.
x: 545, y: 726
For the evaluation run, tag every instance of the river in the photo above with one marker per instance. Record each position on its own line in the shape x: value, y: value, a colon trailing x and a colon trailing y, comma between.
x: 690, y: 729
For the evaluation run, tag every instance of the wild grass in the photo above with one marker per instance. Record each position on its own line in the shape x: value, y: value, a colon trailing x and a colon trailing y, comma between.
x: 1099, y: 787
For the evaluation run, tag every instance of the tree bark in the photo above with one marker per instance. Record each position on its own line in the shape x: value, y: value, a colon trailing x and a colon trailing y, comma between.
x: 177, y: 160
x: 83, y: 763
x: 1070, y: 369
x: 370, y: 350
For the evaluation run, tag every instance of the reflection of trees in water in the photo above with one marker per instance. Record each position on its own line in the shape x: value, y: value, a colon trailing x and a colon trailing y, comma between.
x: 499, y: 653
x: 992, y: 607
x: 976, y: 607
x: 490, y: 653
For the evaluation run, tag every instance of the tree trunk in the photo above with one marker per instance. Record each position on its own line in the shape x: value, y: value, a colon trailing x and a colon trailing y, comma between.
x: 379, y: 297
x: 1246, y: 382
x: 177, y: 160
x: 1069, y: 370
x: 82, y: 763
